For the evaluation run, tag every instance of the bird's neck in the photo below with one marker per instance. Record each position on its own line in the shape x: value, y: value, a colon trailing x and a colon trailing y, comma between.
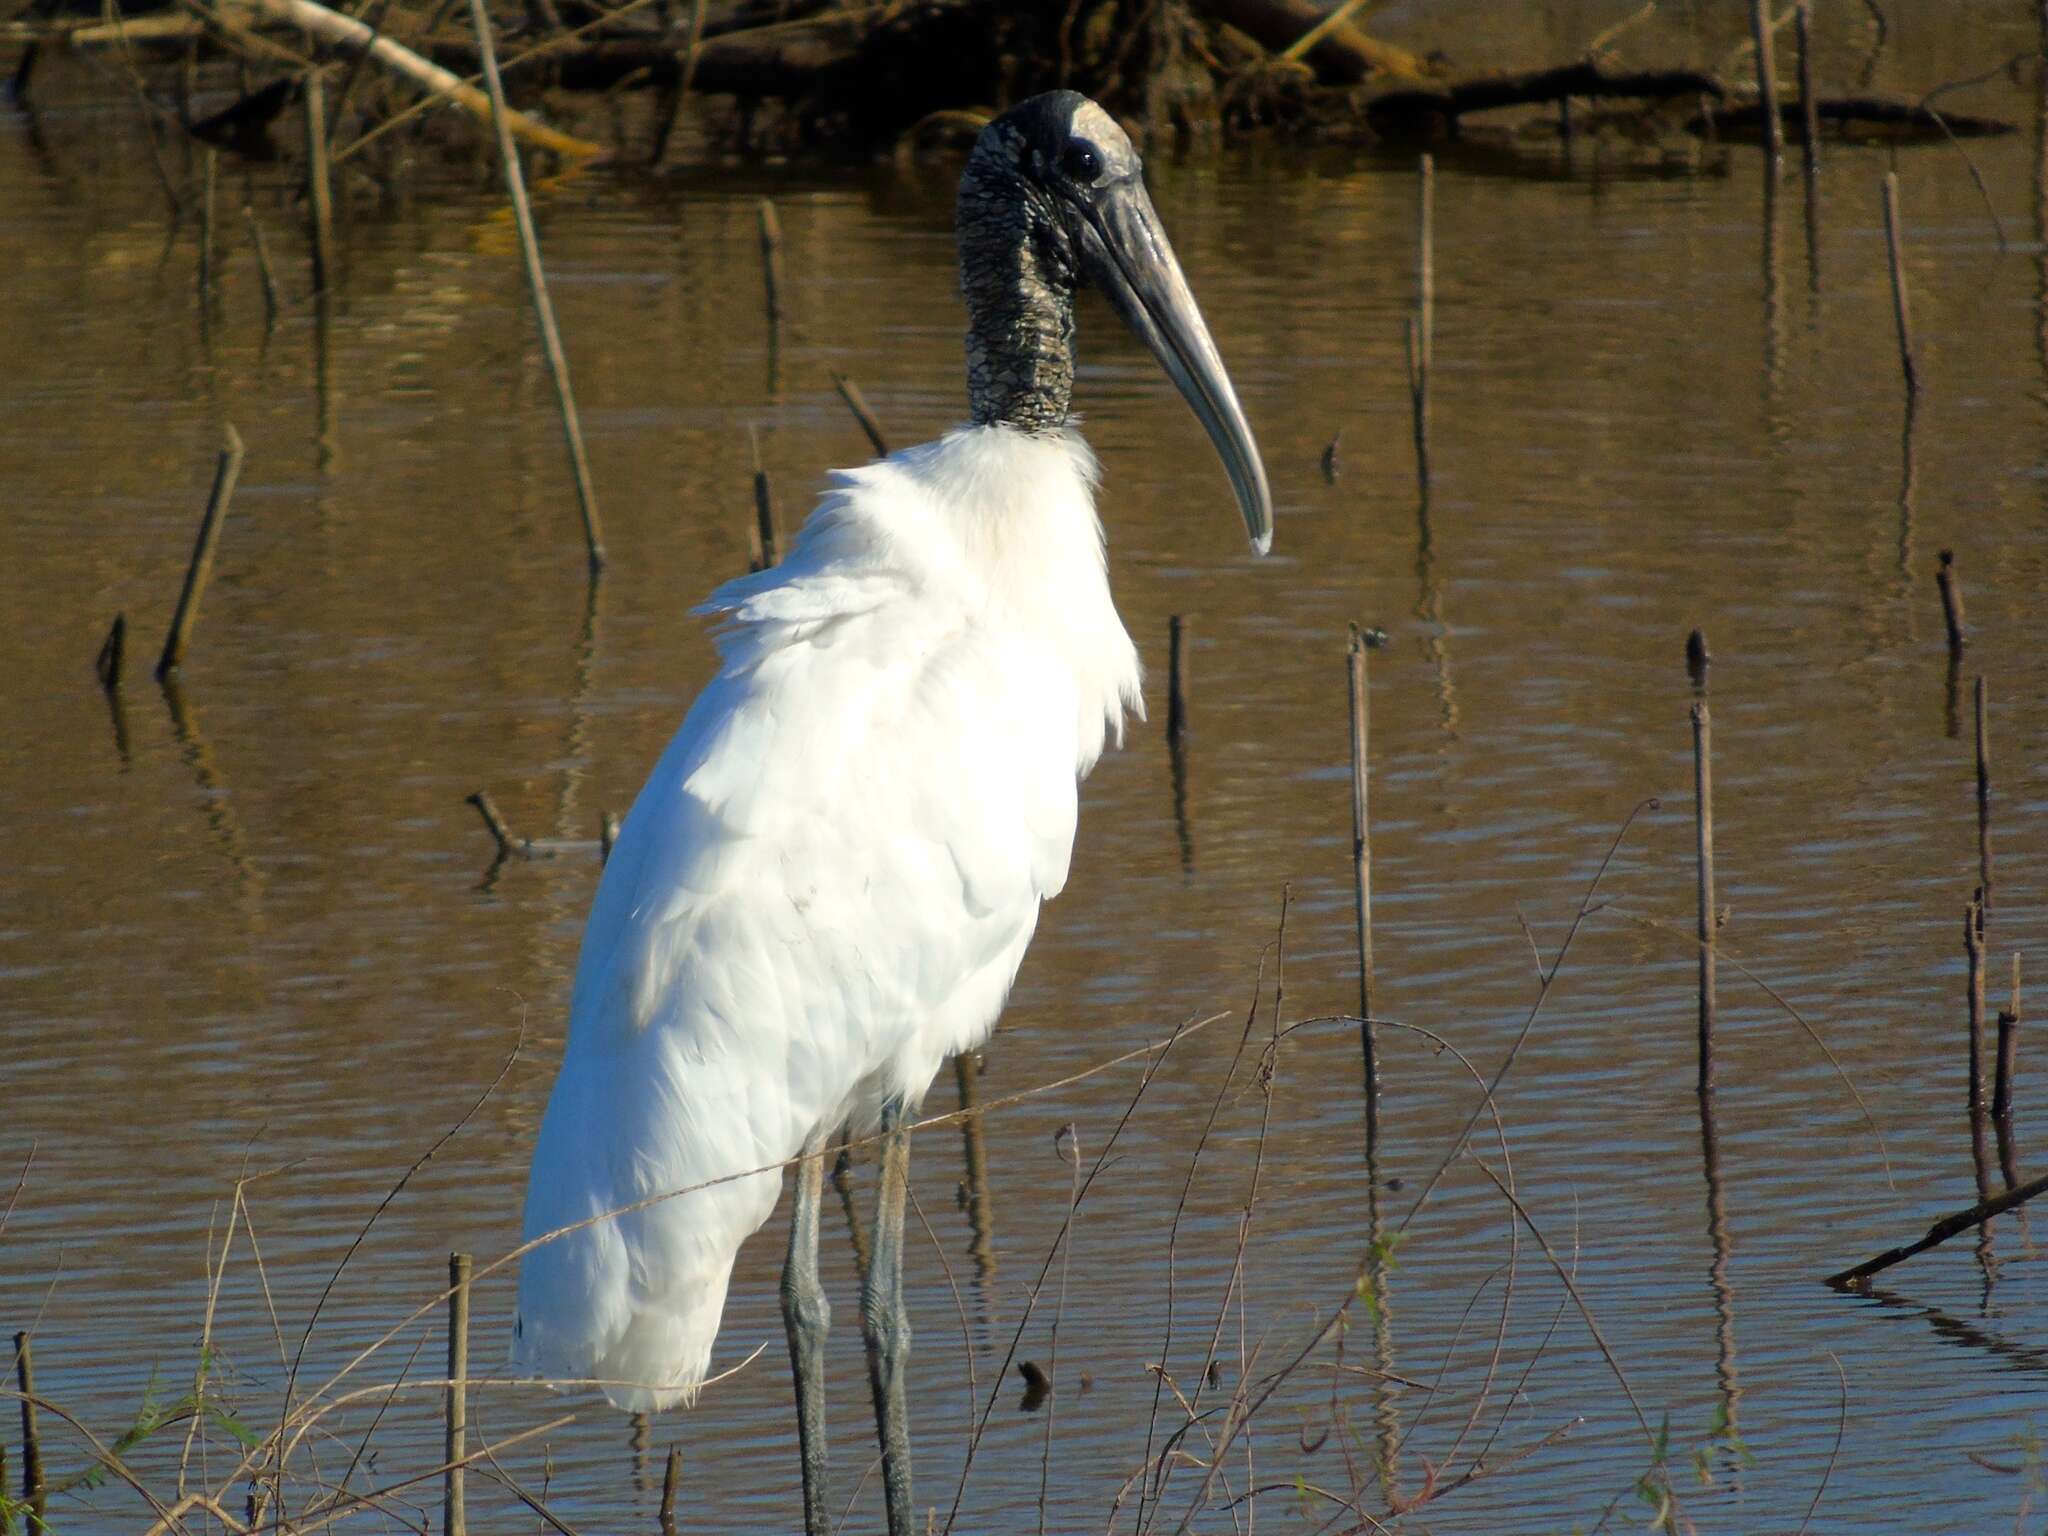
x: 1020, y: 331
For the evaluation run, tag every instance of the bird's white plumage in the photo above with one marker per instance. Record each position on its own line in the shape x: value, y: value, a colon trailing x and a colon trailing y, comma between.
x: 827, y: 883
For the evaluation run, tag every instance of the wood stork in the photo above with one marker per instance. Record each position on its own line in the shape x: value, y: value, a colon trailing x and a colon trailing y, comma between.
x: 826, y: 885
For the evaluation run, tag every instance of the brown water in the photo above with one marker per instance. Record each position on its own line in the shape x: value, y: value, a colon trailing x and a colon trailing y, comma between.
x: 261, y: 930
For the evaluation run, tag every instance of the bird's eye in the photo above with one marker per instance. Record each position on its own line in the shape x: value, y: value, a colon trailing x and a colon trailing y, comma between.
x: 1081, y: 161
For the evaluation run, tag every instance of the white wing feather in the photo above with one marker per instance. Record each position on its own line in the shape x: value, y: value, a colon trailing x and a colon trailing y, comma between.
x: 826, y: 885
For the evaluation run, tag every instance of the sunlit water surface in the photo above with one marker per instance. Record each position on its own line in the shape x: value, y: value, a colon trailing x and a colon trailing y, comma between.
x: 260, y: 932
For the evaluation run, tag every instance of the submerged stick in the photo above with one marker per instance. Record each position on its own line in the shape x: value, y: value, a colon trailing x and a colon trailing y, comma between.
x: 1939, y: 1233
x: 537, y: 288
x: 771, y: 260
x: 227, y: 470
x: 454, y: 1518
x: 495, y: 824
x: 1361, y: 874
x: 1766, y: 79
x: 1952, y: 603
x: 1902, y: 310
x: 34, y: 1488
x: 113, y: 652
x: 858, y: 404
x: 319, y: 188
x: 670, y: 1476
x: 1983, y: 801
x: 1176, y: 678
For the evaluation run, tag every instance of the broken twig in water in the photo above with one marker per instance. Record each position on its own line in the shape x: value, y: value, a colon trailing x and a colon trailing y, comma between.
x: 1942, y: 1230
x: 537, y: 287
x: 34, y: 1486
x: 858, y: 404
x: 227, y: 470
x: 1902, y: 311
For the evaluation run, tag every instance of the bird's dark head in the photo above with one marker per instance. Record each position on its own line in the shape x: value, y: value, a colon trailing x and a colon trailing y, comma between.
x: 1053, y: 198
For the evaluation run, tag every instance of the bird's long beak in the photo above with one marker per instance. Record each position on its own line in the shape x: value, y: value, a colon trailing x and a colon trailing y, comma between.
x: 1136, y: 270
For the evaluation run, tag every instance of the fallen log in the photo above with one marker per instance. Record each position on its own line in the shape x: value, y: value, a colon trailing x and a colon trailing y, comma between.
x: 1434, y: 112
x: 353, y: 36
x: 1949, y: 1226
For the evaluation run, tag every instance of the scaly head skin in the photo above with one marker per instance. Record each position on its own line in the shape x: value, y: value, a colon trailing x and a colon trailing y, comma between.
x: 1053, y: 197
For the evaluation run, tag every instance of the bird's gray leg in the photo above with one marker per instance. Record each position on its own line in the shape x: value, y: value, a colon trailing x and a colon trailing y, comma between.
x: 807, y: 1316
x: 886, y: 1324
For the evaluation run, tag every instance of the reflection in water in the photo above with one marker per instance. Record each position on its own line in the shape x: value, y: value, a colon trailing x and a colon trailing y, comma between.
x: 325, y: 436
x: 1429, y: 607
x: 967, y: 1069
x: 220, y: 804
x: 1386, y: 1391
x: 2006, y: 1354
x: 1717, y: 1279
x: 1774, y: 310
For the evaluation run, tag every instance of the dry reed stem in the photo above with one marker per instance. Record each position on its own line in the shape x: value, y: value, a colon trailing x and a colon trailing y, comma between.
x: 858, y: 404
x: 1952, y: 604
x: 1983, y: 796
x: 1361, y: 871
x: 1703, y: 827
x: 319, y: 185
x: 1656, y: 925
x: 1586, y: 909
x: 227, y: 470
x: 454, y: 1510
x: 537, y: 289
x: 771, y: 260
x: 1766, y: 79
x: 1809, y: 106
x: 1160, y: 1378
x: 1059, y: 1238
x: 1902, y: 309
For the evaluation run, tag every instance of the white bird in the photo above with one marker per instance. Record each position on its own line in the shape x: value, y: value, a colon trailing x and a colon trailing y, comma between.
x: 827, y: 884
